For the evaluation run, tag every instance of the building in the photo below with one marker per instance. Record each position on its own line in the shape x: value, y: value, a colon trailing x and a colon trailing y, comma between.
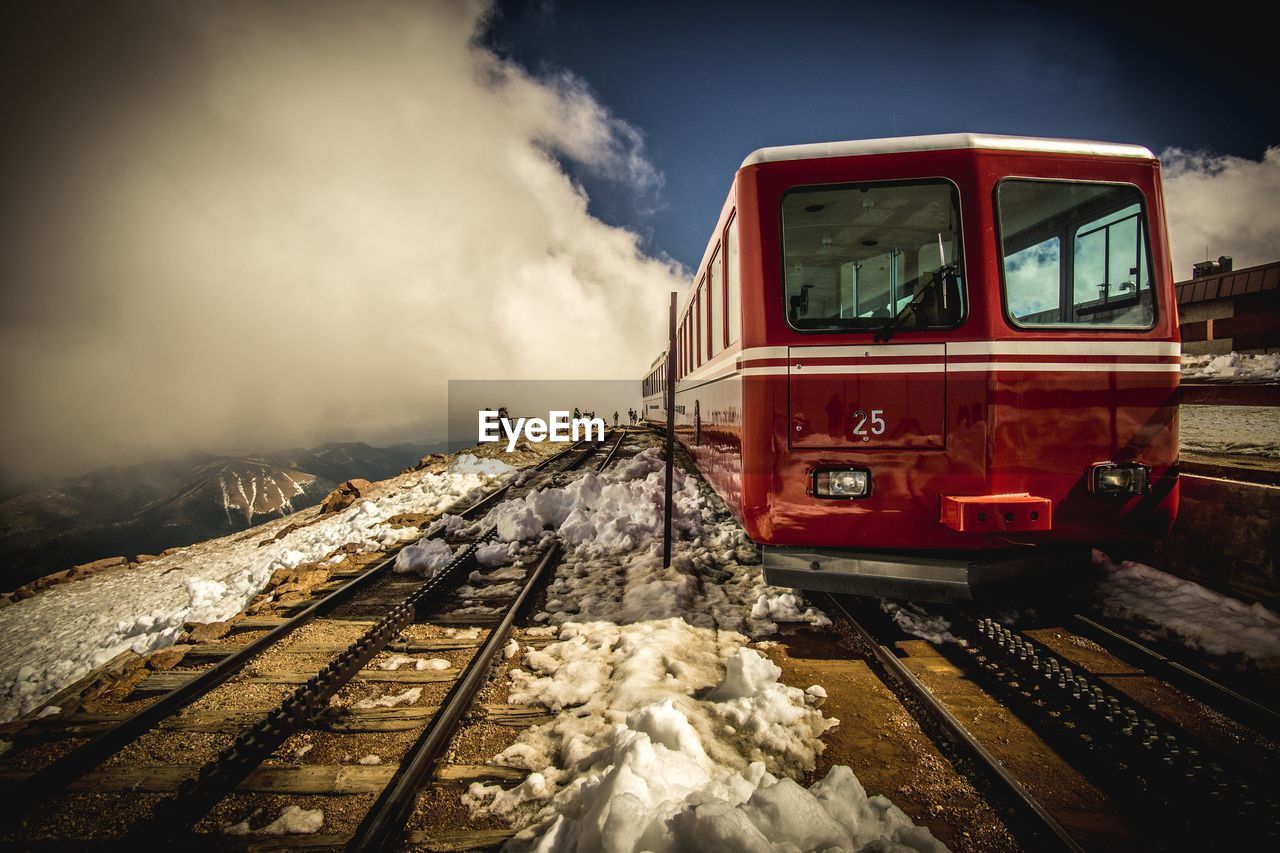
x: 1223, y: 310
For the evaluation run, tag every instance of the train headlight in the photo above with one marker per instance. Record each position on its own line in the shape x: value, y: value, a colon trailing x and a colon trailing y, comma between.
x: 1126, y: 478
x: 853, y: 483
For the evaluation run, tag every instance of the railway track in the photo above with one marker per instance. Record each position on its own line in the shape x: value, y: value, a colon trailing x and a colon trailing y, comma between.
x: 1168, y: 777
x: 201, y: 797
x: 1030, y: 820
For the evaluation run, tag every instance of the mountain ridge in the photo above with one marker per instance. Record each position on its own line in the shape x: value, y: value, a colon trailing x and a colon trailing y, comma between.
x: 173, y: 502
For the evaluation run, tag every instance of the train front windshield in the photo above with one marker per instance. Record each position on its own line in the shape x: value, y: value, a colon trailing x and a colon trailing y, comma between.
x: 855, y: 256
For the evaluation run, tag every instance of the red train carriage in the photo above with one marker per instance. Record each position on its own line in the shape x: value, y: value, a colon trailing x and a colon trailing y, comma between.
x: 913, y: 366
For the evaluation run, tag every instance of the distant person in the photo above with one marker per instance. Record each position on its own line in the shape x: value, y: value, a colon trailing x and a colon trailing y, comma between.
x: 615, y: 418
x: 576, y: 414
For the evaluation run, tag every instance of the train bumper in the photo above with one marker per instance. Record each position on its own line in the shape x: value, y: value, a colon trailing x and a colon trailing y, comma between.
x: 924, y: 577
x: 996, y: 513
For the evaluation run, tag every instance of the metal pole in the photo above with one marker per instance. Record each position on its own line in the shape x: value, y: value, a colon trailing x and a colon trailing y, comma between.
x: 671, y: 434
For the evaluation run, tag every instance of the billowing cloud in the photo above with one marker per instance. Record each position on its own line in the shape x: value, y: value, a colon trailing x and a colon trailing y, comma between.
x: 1221, y: 205
x: 300, y: 226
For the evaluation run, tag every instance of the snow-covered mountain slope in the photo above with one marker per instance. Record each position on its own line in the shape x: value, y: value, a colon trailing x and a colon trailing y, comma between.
x: 50, y: 640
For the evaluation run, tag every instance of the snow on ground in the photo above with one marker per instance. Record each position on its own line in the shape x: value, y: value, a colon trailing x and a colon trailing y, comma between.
x: 390, y: 700
x: 292, y: 821
x: 50, y: 640
x: 1198, y: 617
x: 916, y: 621
x: 1236, y: 366
x: 1249, y: 430
x: 670, y: 732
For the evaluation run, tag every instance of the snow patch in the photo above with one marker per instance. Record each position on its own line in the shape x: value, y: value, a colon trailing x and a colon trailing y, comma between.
x: 292, y: 821
x: 1200, y: 618
x: 912, y: 619
x: 409, y: 697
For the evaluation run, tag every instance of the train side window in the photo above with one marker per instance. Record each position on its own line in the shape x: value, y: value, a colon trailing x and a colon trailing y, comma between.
x: 1075, y: 254
x: 715, y: 304
x: 699, y: 323
x: 684, y: 348
x: 679, y: 355
x: 733, y: 282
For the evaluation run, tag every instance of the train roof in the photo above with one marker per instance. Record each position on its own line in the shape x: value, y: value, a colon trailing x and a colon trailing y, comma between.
x: 945, y: 142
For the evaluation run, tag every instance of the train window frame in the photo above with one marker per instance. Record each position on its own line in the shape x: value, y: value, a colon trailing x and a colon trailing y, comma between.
x: 1118, y: 328
x: 960, y: 262
x: 732, y: 280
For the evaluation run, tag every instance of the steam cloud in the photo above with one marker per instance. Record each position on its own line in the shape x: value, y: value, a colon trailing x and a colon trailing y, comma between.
x: 1225, y: 204
x: 307, y: 222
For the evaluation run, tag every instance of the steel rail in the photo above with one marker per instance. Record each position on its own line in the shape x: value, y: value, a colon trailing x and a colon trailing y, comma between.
x: 384, y: 823
x: 613, y: 452
x: 1230, y: 703
x: 1032, y: 813
x: 586, y: 454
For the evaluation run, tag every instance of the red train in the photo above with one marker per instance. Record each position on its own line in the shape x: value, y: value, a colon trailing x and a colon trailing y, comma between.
x: 915, y: 366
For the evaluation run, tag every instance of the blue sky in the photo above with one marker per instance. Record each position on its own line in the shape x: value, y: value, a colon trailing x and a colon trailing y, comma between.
x: 706, y: 83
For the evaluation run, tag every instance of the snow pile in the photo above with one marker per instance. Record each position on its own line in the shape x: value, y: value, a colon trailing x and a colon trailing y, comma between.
x: 611, y: 526
x: 788, y: 607
x: 1198, y: 617
x: 670, y: 733
x: 912, y: 619
x: 54, y: 638
x: 292, y: 821
x: 369, y: 760
x: 1236, y: 366
x: 641, y: 763
x: 426, y: 557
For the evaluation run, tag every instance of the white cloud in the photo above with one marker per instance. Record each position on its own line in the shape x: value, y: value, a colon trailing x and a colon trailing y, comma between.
x: 335, y: 213
x: 1223, y: 204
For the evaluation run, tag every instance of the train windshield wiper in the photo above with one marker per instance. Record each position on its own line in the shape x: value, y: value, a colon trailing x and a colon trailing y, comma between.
x: 939, y: 280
